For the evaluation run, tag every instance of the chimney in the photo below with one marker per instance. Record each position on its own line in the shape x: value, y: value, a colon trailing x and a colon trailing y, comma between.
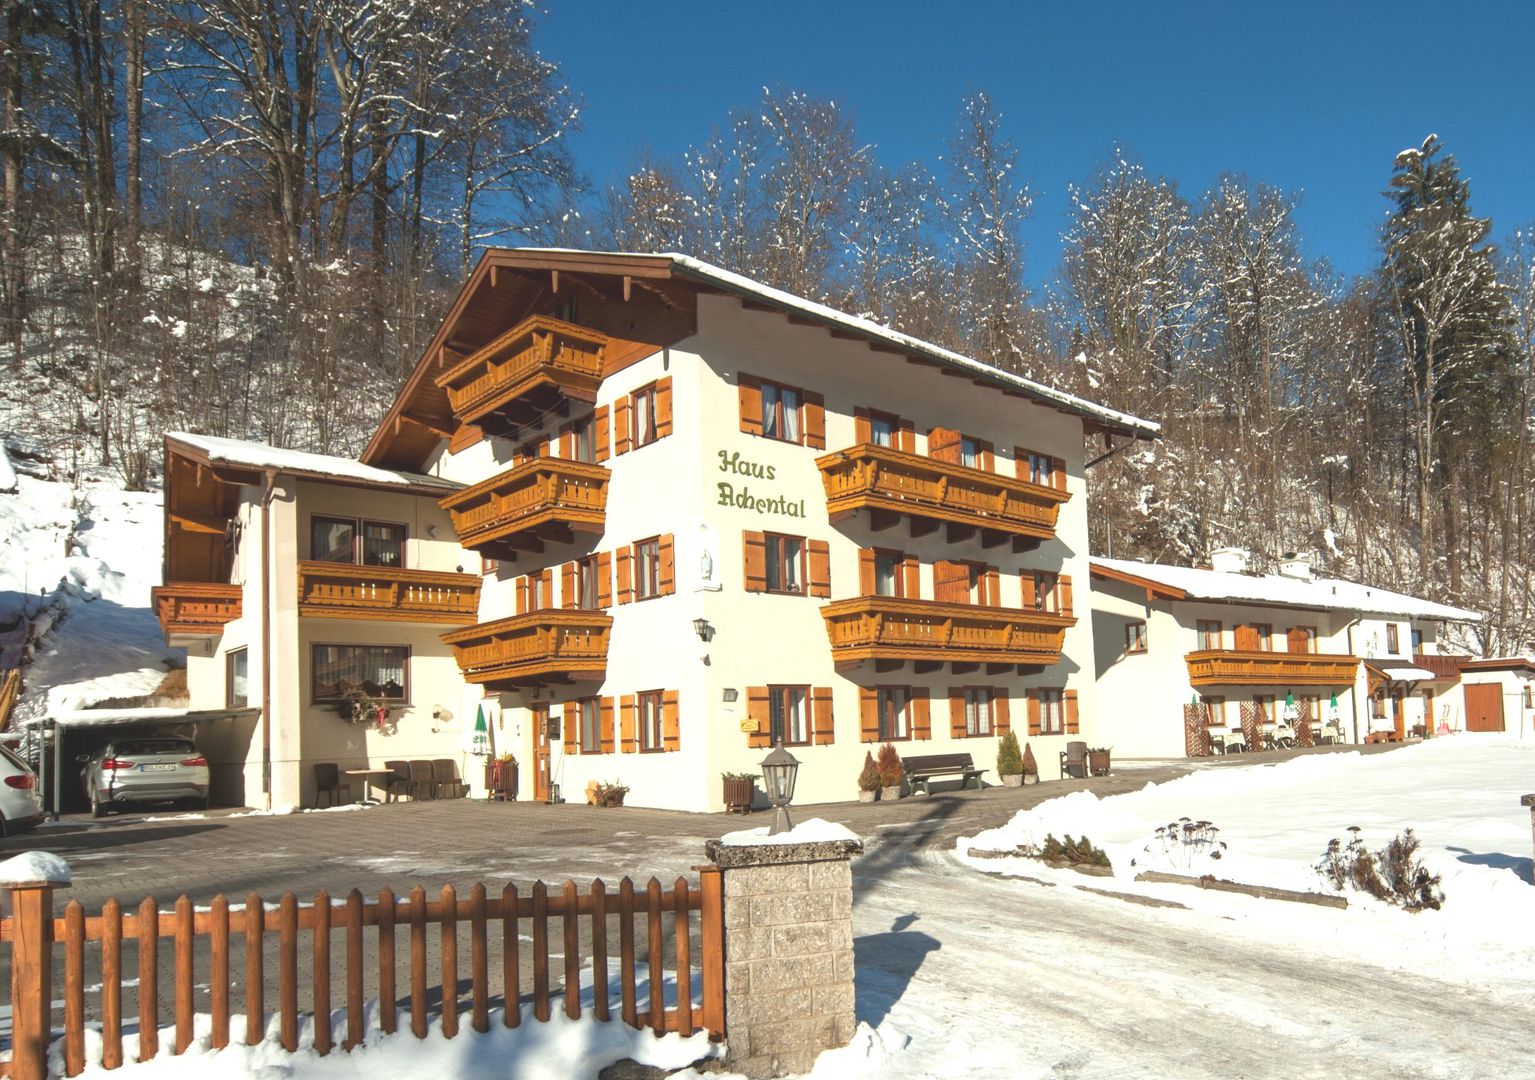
x: 1296, y: 565
x: 1229, y: 560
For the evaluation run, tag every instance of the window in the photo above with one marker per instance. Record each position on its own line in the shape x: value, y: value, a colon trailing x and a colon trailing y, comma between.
x: 1265, y: 635
x: 591, y: 725
x: 649, y: 706
x: 970, y: 452
x: 1392, y: 644
x: 489, y: 566
x: 376, y: 670
x: 781, y: 412
x: 647, y: 569
x: 583, y: 439
x: 587, y: 591
x: 1529, y: 696
x: 887, y: 573
x: 1209, y: 633
x: 236, y: 687
x: 977, y: 710
x: 1040, y: 468
x: 1417, y: 641
x: 882, y: 428
x: 539, y: 589
x: 347, y: 540
x: 643, y: 404
x: 1217, y: 707
x: 1046, y: 594
x: 788, y: 719
x: 1265, y: 705
x: 894, y: 704
x: 785, y: 563
x: 1135, y: 637
x: 1052, y: 712
x: 1378, y: 704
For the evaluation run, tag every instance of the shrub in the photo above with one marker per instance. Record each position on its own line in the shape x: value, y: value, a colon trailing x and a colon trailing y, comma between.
x: 1080, y: 852
x: 1393, y: 874
x: 1030, y: 766
x: 610, y: 794
x: 1186, y: 843
x: 868, y: 779
x: 739, y: 775
x: 1009, y: 760
x: 890, y: 771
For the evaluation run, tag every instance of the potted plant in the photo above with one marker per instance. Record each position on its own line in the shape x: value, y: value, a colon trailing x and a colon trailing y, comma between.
x: 501, y: 777
x: 1030, y: 766
x: 868, y: 780
x: 1098, y: 761
x: 358, y: 707
x: 740, y: 791
x: 1010, y: 760
x: 610, y: 794
x: 890, y: 772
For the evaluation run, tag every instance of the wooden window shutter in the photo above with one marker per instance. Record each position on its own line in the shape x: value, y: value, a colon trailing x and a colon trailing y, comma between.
x: 757, y: 709
x: 1020, y: 463
x: 600, y: 434
x: 622, y: 442
x: 1058, y: 474
x: 568, y: 595
x: 754, y: 552
x: 815, y: 421
x: 951, y: 582
x: 1071, y: 712
x: 568, y: 442
x: 906, y: 437
x: 1063, y: 594
x: 1001, y: 721
x: 943, y: 445
x: 750, y: 391
x: 1033, y: 700
x: 1299, y: 639
x: 546, y: 588
x: 668, y: 571
x: 628, y: 724
x: 605, y: 579
x: 819, y: 557
x: 572, y: 724
x: 957, y: 712
x: 522, y: 595
x: 866, y: 583
x: 823, y: 724
x: 863, y: 431
x: 626, y: 575
x: 1246, y: 637
x: 1030, y: 597
x: 921, y: 714
x: 911, y: 571
x: 868, y: 714
x: 988, y: 458
x: 993, y: 587
x: 671, y: 724
x: 664, y: 407
x: 605, y: 715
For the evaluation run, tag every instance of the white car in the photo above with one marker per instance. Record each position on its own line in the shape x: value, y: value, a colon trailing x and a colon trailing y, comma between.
x: 21, y: 804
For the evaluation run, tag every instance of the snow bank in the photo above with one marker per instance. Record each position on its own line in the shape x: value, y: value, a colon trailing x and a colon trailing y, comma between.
x: 813, y: 831
x: 33, y: 866
x: 7, y: 473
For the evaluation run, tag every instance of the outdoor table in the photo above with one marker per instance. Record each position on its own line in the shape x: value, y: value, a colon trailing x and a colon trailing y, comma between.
x: 371, y: 778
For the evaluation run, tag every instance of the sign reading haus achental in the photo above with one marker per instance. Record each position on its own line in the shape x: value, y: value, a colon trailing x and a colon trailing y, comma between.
x: 742, y: 497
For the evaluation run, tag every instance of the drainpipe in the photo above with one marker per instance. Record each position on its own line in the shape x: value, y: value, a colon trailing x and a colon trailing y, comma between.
x: 266, y: 637
x: 1353, y: 688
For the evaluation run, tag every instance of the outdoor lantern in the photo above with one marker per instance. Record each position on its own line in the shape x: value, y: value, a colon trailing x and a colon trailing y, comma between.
x: 702, y: 628
x: 779, y: 770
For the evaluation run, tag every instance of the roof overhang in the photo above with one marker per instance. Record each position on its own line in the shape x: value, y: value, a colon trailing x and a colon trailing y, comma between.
x: 1155, y: 590
x: 1516, y: 665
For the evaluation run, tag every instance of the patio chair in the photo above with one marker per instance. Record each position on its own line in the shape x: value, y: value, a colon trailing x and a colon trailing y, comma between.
x: 445, y: 779
x: 422, y: 783
x: 328, y: 783
x: 399, y: 783
x: 1074, y: 761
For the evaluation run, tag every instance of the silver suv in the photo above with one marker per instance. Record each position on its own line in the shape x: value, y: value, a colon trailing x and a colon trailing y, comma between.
x: 140, y: 769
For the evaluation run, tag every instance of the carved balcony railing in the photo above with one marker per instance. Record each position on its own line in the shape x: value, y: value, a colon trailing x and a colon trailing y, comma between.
x: 1232, y: 667
x: 521, y: 374
x: 330, y: 590
x: 896, y: 483
x: 535, y: 649
x: 195, y: 608
x: 517, y: 510
x: 890, y: 630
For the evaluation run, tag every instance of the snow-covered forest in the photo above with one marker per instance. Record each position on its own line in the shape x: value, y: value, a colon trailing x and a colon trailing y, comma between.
x: 244, y: 217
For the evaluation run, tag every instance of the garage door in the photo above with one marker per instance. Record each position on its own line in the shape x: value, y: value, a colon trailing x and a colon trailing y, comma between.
x: 1484, y: 707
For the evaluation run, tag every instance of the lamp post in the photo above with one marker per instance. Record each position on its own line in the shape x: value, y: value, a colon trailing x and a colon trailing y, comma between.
x: 779, y: 770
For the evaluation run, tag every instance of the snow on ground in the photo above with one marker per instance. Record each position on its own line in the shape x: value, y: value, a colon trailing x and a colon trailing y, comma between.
x: 1460, y: 795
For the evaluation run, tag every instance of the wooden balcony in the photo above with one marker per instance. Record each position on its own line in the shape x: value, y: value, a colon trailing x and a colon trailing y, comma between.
x: 1231, y: 667
x: 546, y: 499
x: 195, y: 608
x: 893, y: 484
x: 891, y: 631
x: 330, y: 590
x: 536, y: 649
x: 519, y: 377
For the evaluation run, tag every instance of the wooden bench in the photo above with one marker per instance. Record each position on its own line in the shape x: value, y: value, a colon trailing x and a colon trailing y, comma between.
x: 921, y: 769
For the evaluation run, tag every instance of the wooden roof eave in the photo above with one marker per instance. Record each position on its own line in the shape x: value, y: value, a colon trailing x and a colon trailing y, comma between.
x: 1155, y: 590
x: 252, y: 476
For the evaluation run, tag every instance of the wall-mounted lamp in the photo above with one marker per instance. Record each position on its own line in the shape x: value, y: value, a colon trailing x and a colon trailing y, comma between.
x: 730, y: 693
x: 431, y: 530
x: 702, y: 628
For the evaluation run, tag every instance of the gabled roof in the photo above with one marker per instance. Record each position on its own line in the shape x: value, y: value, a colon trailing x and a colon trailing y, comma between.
x: 242, y: 454
x: 1278, y: 590
x: 485, y: 307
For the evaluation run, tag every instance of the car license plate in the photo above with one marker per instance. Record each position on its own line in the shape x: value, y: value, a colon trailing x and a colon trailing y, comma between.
x: 159, y: 768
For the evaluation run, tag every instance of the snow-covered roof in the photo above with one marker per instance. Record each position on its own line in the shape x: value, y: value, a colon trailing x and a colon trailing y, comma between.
x: 1325, y: 594
x: 1401, y: 672
x: 737, y: 283
x: 82, y: 718
x: 255, y: 455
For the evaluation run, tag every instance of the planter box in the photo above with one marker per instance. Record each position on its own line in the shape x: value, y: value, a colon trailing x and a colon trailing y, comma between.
x: 501, y: 780
x: 867, y: 796
x: 739, y: 796
x: 1098, y: 763
x: 890, y: 792
x: 1012, y: 779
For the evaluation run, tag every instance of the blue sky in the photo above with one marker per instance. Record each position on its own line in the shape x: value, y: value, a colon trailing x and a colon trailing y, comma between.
x: 1309, y: 96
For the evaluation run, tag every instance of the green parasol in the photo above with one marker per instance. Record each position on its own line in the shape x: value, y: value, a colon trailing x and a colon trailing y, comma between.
x: 479, y: 742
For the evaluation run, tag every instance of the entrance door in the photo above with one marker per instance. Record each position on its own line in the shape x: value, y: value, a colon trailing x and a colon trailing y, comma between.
x: 540, y: 752
x: 1399, y: 715
x: 1484, y: 707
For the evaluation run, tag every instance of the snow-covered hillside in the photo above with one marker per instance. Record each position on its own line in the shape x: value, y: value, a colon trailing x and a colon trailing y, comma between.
x: 77, y: 566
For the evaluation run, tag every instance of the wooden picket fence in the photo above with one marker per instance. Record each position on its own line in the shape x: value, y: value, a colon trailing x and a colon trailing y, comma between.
x: 648, y: 910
